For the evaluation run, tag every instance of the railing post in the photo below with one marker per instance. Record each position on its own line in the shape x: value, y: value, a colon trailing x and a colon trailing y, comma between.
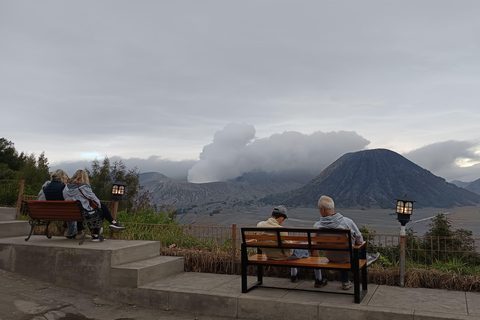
x: 115, y: 209
x: 402, y: 255
x: 234, y: 246
x: 20, y: 197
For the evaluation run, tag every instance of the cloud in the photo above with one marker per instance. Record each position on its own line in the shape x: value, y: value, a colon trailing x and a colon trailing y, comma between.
x: 173, y: 169
x: 235, y: 151
x: 450, y: 160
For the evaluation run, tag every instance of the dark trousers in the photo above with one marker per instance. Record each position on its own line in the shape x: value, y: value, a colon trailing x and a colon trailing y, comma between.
x: 105, y: 213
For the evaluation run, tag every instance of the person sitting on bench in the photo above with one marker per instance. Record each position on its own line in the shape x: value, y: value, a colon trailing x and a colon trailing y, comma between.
x: 279, y: 214
x: 79, y: 189
x: 332, y: 220
x: 52, y: 190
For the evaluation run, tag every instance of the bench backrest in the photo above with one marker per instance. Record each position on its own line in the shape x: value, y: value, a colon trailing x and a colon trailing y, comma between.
x: 54, y: 210
x: 310, y: 238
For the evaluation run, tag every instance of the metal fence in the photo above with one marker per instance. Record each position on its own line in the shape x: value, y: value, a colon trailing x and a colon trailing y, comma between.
x: 421, y: 251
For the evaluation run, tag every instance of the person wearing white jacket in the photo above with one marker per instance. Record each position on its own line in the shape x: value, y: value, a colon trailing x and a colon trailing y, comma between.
x: 279, y: 214
x: 79, y: 189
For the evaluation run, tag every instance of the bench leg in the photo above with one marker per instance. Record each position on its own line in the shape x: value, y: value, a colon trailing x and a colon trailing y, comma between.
x: 364, y: 279
x: 244, y: 279
x: 244, y: 268
x: 49, y: 236
x: 32, y: 226
x: 84, y: 232
x: 260, y: 274
x: 356, y: 285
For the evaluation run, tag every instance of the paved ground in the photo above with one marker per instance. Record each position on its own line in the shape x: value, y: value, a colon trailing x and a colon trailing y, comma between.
x: 23, y: 298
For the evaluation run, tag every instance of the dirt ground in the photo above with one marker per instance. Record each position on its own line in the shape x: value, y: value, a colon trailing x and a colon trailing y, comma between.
x: 383, y: 221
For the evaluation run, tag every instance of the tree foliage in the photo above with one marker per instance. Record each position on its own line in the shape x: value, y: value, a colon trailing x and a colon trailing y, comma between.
x: 14, y: 165
x: 103, y: 175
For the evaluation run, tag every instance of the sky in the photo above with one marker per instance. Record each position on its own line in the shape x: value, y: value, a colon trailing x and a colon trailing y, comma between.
x: 207, y: 90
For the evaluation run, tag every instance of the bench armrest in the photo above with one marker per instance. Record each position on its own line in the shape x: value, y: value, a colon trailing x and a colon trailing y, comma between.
x: 359, y: 246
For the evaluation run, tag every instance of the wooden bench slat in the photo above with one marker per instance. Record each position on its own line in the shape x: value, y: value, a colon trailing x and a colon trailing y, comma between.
x: 301, y: 238
x: 54, y: 210
x: 320, y: 262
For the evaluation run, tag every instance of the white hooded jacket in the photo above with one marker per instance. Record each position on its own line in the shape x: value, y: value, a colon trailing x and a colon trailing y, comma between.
x: 72, y: 192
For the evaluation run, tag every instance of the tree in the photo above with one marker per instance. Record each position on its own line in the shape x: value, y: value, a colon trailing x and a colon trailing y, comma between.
x: 101, y: 179
x: 10, y: 156
x: 34, y: 172
x: 448, y: 243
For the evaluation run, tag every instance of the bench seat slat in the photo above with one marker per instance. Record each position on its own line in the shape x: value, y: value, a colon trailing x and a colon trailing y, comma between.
x: 303, y: 238
x: 320, y: 262
x: 300, y: 246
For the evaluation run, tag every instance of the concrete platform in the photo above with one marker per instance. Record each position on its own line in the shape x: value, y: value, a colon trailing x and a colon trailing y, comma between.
x: 215, y: 294
x: 8, y: 213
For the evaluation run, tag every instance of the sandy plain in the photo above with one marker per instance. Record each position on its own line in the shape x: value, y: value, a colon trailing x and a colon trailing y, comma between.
x: 383, y: 221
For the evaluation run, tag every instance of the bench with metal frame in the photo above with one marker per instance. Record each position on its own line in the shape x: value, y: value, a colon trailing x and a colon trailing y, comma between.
x: 43, y: 212
x: 304, y: 238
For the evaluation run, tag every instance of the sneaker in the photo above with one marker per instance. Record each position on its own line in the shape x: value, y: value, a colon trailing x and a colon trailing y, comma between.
x: 320, y: 283
x: 346, y: 285
x: 116, y: 225
x: 98, y: 238
x: 372, y: 257
x: 293, y: 279
x: 71, y: 237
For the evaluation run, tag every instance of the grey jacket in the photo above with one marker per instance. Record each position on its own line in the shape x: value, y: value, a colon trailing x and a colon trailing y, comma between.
x: 337, y: 221
x: 71, y: 192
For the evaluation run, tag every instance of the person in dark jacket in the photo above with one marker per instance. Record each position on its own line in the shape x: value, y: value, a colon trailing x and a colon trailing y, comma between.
x: 52, y: 190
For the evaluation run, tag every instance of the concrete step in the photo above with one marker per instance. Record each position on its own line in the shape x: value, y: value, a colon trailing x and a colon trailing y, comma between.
x: 14, y: 228
x: 59, y: 260
x: 135, y: 251
x: 7, y: 213
x: 138, y: 273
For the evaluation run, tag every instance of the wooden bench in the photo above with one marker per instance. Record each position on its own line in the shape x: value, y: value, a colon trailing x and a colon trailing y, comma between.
x: 304, y: 238
x: 44, y: 212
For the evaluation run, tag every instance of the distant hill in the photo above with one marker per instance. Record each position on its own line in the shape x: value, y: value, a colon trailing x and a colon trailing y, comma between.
x: 473, y: 186
x: 211, y: 196
x: 374, y: 178
x: 460, y: 184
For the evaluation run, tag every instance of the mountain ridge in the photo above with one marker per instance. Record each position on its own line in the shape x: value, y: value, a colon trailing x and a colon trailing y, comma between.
x: 371, y: 178
x: 362, y: 179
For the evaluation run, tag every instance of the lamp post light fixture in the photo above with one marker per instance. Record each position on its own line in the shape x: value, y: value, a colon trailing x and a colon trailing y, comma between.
x: 404, y: 209
x: 404, y: 212
x: 118, y: 190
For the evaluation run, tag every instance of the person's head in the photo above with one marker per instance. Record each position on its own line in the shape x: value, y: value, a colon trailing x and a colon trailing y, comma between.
x: 80, y: 176
x: 59, y: 175
x: 279, y: 213
x: 326, y: 206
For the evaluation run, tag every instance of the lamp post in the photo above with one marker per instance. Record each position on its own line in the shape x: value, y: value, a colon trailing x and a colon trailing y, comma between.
x: 404, y: 212
x: 118, y: 190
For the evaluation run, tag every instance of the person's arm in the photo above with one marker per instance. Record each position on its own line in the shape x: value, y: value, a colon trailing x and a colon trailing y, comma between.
x: 87, y: 190
x: 356, y: 233
x: 41, y: 195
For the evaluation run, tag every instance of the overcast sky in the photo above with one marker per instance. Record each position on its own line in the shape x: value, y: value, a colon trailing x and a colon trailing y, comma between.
x: 224, y: 87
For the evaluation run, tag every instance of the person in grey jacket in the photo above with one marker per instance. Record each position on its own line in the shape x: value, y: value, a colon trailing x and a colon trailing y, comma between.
x: 79, y: 189
x: 332, y: 220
